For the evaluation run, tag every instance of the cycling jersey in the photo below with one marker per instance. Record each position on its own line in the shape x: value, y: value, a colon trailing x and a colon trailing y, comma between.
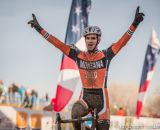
x: 92, y: 66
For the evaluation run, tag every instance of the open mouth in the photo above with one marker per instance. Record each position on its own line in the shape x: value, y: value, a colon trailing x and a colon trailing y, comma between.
x: 90, y: 45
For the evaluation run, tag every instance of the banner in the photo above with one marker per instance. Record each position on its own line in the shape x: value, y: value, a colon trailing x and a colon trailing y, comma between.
x: 36, y: 122
x: 21, y: 120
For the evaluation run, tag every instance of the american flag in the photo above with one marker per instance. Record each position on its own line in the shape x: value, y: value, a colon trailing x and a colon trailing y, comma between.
x: 69, y: 74
x: 153, y: 50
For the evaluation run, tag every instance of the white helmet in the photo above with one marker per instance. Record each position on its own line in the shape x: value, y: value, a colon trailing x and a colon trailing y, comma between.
x: 92, y: 30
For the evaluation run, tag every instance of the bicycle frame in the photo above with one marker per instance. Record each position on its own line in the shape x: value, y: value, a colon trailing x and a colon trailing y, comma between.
x: 81, y: 120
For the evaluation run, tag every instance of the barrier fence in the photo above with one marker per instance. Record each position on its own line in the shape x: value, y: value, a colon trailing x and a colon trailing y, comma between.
x: 14, y: 118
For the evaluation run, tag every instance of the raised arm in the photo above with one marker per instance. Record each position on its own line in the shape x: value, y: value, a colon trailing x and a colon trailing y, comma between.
x: 53, y: 40
x: 116, y: 47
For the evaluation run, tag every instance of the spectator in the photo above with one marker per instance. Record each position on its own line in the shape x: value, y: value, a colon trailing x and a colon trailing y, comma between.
x: 13, y: 93
x: 2, y: 92
x: 34, y: 95
x: 47, y: 97
x: 27, y: 103
x: 121, y: 112
x: 21, y: 92
x: 2, y: 98
x: 10, y: 94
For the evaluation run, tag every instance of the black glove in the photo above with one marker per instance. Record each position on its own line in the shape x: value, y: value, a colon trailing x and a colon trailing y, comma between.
x: 138, y: 18
x: 34, y: 23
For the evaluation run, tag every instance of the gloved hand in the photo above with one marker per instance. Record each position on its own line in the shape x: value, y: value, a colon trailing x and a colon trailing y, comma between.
x: 34, y: 23
x: 138, y: 18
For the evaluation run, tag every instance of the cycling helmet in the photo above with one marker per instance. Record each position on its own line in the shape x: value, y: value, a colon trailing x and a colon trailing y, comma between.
x: 92, y: 30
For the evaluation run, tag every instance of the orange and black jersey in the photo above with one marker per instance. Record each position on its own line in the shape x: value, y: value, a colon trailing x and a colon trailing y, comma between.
x: 93, y: 67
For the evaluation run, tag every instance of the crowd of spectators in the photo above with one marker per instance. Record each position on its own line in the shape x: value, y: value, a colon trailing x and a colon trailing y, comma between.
x: 20, y: 96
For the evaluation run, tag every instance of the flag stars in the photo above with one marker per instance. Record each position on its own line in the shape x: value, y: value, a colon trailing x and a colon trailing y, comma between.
x: 75, y: 28
x: 78, y: 10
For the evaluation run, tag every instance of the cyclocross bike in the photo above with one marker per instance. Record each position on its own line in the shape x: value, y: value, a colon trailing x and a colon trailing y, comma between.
x: 82, y: 120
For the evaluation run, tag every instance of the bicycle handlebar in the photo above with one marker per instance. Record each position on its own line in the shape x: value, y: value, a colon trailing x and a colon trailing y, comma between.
x: 82, y: 119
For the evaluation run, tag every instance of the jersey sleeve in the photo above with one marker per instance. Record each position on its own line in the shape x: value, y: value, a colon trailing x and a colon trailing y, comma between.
x: 116, y: 47
x: 74, y: 51
x: 109, y: 54
x: 56, y: 42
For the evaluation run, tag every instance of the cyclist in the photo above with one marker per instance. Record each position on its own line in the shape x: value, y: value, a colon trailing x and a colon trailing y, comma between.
x: 93, y: 67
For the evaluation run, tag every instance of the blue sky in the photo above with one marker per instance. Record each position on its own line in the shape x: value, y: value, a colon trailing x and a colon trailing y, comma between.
x: 28, y: 59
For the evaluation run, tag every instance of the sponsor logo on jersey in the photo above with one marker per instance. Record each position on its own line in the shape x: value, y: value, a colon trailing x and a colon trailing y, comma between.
x: 90, y: 65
